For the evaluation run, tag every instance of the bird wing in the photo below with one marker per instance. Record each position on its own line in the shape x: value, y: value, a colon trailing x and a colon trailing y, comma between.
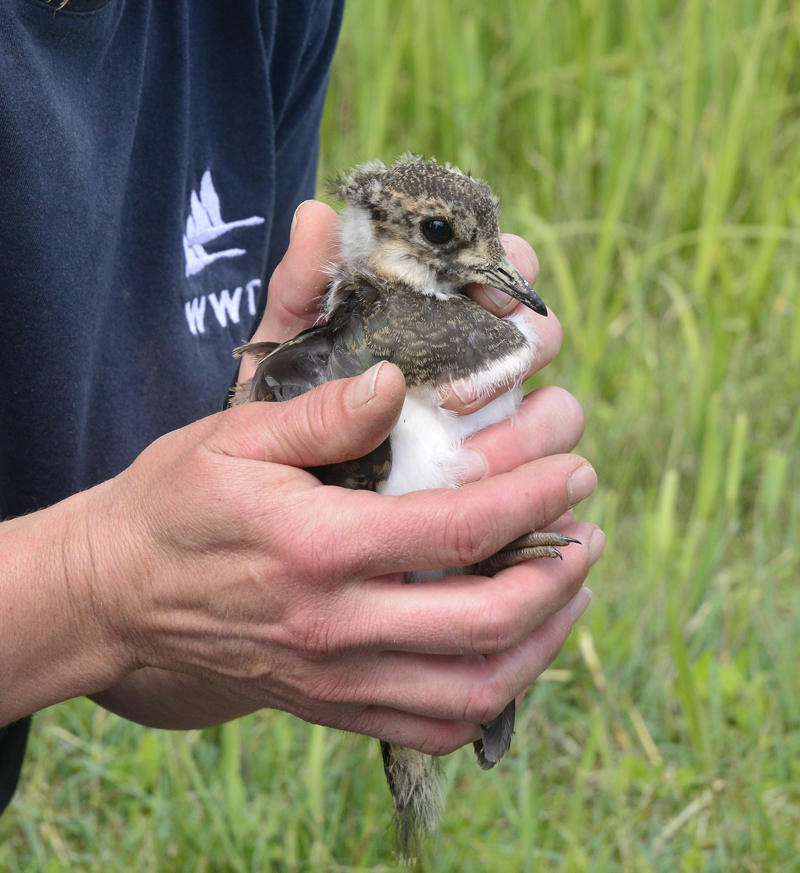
x: 333, y: 349
x: 286, y: 370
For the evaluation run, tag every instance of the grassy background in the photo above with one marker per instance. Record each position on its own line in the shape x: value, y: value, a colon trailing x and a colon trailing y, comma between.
x: 650, y: 151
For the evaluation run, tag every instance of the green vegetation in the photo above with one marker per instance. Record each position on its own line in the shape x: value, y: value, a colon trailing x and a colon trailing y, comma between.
x: 650, y: 151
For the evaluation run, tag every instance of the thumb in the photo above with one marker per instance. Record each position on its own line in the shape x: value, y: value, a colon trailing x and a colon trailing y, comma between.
x: 339, y: 421
x: 301, y: 277
x: 300, y: 280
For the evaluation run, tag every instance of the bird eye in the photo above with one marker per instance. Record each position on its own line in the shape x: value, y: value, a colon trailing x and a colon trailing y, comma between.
x: 437, y: 230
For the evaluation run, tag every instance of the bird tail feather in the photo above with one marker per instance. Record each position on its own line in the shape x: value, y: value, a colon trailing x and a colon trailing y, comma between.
x: 417, y: 787
x: 495, y: 738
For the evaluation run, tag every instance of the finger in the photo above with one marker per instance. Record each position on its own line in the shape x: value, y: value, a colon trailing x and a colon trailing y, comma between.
x: 338, y: 421
x: 471, y: 614
x: 436, y: 529
x: 523, y: 257
x: 567, y: 518
x: 467, y: 689
x: 471, y: 689
x: 550, y: 421
x: 433, y: 736
x: 301, y: 278
x: 460, y: 397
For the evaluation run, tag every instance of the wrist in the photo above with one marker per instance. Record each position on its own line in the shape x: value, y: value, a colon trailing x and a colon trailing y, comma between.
x: 57, y: 640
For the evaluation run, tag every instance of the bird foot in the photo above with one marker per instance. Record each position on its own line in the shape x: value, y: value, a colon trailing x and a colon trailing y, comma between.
x: 537, y: 544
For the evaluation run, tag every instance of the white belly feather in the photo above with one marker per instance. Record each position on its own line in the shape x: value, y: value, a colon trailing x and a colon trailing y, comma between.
x: 428, y: 447
x: 428, y: 441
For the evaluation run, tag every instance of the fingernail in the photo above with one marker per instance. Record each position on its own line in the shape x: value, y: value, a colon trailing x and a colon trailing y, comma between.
x: 363, y: 389
x: 579, y: 603
x: 597, y: 543
x: 581, y: 484
x: 294, y: 218
x: 500, y: 299
x: 464, y: 392
x: 475, y: 467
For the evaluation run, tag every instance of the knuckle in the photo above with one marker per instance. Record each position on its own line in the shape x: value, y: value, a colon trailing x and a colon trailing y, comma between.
x: 485, y: 700
x: 313, y: 547
x: 328, y: 630
x: 339, y: 684
x: 554, y: 633
x: 467, y: 529
x: 330, y: 550
x: 298, y: 430
x: 318, y: 640
x: 298, y: 437
x: 498, y: 628
x: 317, y: 410
x: 320, y: 637
x: 333, y: 687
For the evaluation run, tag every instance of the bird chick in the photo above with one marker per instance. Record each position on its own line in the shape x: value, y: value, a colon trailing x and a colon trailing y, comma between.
x: 412, y: 236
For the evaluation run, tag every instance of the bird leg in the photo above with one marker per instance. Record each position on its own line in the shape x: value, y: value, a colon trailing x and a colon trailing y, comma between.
x: 536, y: 544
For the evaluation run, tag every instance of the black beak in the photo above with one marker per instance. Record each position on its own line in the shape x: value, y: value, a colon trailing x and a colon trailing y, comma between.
x: 508, y: 278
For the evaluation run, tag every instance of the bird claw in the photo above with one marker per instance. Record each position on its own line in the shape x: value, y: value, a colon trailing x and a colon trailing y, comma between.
x: 536, y: 544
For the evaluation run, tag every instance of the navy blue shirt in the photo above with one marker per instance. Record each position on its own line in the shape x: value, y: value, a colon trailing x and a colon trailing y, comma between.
x: 152, y: 153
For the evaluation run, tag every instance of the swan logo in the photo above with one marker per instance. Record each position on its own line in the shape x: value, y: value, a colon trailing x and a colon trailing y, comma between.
x: 204, y: 225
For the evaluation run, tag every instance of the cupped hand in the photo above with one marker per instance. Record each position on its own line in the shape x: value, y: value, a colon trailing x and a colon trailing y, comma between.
x: 218, y: 556
x: 276, y: 591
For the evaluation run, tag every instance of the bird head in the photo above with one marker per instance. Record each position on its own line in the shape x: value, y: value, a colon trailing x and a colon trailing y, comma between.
x: 429, y: 227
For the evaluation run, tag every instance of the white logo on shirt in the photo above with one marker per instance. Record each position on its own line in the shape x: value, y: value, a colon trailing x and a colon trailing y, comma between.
x: 205, y: 224
x: 226, y: 306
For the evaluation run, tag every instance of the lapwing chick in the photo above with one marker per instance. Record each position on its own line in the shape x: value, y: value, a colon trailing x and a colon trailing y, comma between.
x: 413, y: 235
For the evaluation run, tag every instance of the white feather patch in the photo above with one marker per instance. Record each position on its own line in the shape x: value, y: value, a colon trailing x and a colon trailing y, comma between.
x: 356, y: 240
x: 428, y: 441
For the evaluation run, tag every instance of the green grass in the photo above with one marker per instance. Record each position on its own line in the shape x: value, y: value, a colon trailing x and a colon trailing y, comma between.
x: 650, y: 151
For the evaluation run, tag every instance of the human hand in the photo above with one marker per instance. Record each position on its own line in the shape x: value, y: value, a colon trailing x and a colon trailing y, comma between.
x: 551, y: 422
x: 298, y: 283
x: 247, y: 573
